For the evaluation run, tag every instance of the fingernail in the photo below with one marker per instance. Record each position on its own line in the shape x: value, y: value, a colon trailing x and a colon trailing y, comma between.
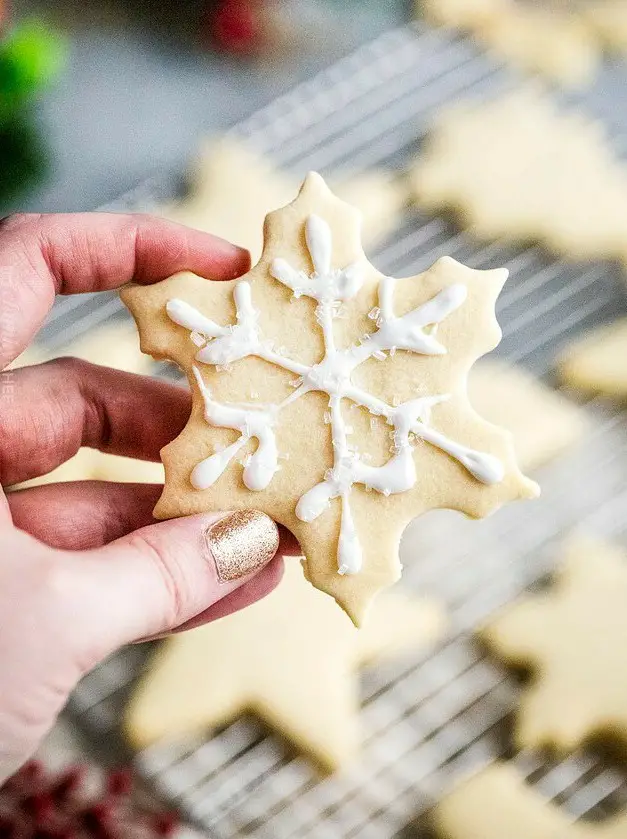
x: 241, y: 543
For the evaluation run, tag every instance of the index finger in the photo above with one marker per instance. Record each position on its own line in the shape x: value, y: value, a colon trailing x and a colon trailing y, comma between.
x: 71, y: 253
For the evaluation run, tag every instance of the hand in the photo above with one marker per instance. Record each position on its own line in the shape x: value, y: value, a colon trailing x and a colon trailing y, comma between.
x: 83, y: 567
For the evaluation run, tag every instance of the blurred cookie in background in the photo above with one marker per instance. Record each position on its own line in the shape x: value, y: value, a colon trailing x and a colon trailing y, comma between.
x: 597, y: 362
x: 572, y: 638
x: 553, y: 39
x: 291, y: 659
x: 608, y: 19
x: 497, y: 802
x: 544, y: 423
x: 232, y: 188
x: 520, y: 169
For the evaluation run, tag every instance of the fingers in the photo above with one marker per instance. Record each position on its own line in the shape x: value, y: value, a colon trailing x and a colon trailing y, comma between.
x: 161, y: 576
x: 66, y: 403
x: 79, y: 515
x: 44, y: 255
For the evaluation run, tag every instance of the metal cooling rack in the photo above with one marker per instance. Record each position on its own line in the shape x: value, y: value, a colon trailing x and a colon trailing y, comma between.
x: 426, y: 720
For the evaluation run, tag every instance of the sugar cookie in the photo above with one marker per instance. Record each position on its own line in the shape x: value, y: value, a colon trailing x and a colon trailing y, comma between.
x: 290, y: 659
x: 519, y: 169
x: 574, y: 639
x: 293, y: 361
x: 597, y: 363
x: 498, y: 804
x: 462, y: 14
x: 551, y: 40
x: 608, y: 19
x: 233, y: 188
x: 544, y: 423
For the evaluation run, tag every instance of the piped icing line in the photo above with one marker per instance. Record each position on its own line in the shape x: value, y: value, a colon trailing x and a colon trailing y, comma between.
x: 253, y: 422
x: 414, y: 331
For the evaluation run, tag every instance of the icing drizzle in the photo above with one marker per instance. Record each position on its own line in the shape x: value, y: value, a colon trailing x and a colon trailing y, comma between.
x: 222, y: 345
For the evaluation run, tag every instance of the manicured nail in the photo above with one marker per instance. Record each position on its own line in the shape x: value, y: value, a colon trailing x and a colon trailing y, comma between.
x: 241, y: 543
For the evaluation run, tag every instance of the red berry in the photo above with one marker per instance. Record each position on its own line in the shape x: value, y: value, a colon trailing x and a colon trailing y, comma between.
x: 96, y: 818
x: 8, y: 828
x: 165, y: 824
x: 120, y: 782
x: 236, y: 26
x: 68, y: 783
x: 39, y: 805
x: 31, y: 770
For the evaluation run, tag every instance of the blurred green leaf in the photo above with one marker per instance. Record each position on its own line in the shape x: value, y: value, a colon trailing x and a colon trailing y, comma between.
x: 31, y: 55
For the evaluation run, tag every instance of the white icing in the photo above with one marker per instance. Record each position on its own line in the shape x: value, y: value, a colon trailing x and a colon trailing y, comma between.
x: 413, y: 332
x: 253, y: 423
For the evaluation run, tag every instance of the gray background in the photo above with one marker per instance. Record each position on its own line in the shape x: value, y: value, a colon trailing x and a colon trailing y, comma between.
x: 139, y: 91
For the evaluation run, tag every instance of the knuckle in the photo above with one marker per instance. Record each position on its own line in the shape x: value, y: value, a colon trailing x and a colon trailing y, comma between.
x: 15, y: 220
x: 141, y: 219
x: 69, y: 365
x: 97, y: 423
x: 171, y: 579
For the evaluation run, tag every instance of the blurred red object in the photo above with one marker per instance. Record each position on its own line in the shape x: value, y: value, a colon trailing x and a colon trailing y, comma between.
x: 37, y: 805
x: 237, y: 26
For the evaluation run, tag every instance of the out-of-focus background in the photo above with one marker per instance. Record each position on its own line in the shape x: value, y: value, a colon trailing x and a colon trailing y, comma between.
x: 491, y: 131
x: 137, y: 84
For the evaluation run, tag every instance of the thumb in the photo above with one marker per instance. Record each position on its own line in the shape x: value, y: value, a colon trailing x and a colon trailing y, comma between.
x: 161, y: 576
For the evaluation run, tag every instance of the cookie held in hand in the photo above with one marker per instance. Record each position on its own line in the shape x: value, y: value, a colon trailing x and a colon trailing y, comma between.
x: 330, y: 396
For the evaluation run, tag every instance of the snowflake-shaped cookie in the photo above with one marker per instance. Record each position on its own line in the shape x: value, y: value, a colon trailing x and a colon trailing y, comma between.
x: 340, y: 391
x: 574, y: 639
x: 497, y: 803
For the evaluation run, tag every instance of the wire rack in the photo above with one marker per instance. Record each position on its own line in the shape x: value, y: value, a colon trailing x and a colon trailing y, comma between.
x: 425, y: 720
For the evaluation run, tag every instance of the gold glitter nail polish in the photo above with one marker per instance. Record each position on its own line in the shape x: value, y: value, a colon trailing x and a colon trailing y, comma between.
x: 241, y: 543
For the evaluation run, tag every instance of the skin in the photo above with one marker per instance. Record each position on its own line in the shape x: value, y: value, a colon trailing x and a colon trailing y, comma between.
x: 84, y: 568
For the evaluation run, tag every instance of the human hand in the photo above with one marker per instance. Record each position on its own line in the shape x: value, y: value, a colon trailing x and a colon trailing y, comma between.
x: 83, y: 567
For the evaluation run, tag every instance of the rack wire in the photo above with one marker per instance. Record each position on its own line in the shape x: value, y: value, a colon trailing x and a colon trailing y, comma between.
x: 426, y: 720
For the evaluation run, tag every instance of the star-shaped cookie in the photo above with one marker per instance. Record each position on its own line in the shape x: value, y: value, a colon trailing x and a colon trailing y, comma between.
x: 290, y: 658
x: 330, y: 396
x: 553, y: 39
x: 498, y: 804
x: 544, y: 423
x: 597, y: 363
x: 574, y: 639
x: 608, y: 19
x: 519, y: 169
x: 232, y: 188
